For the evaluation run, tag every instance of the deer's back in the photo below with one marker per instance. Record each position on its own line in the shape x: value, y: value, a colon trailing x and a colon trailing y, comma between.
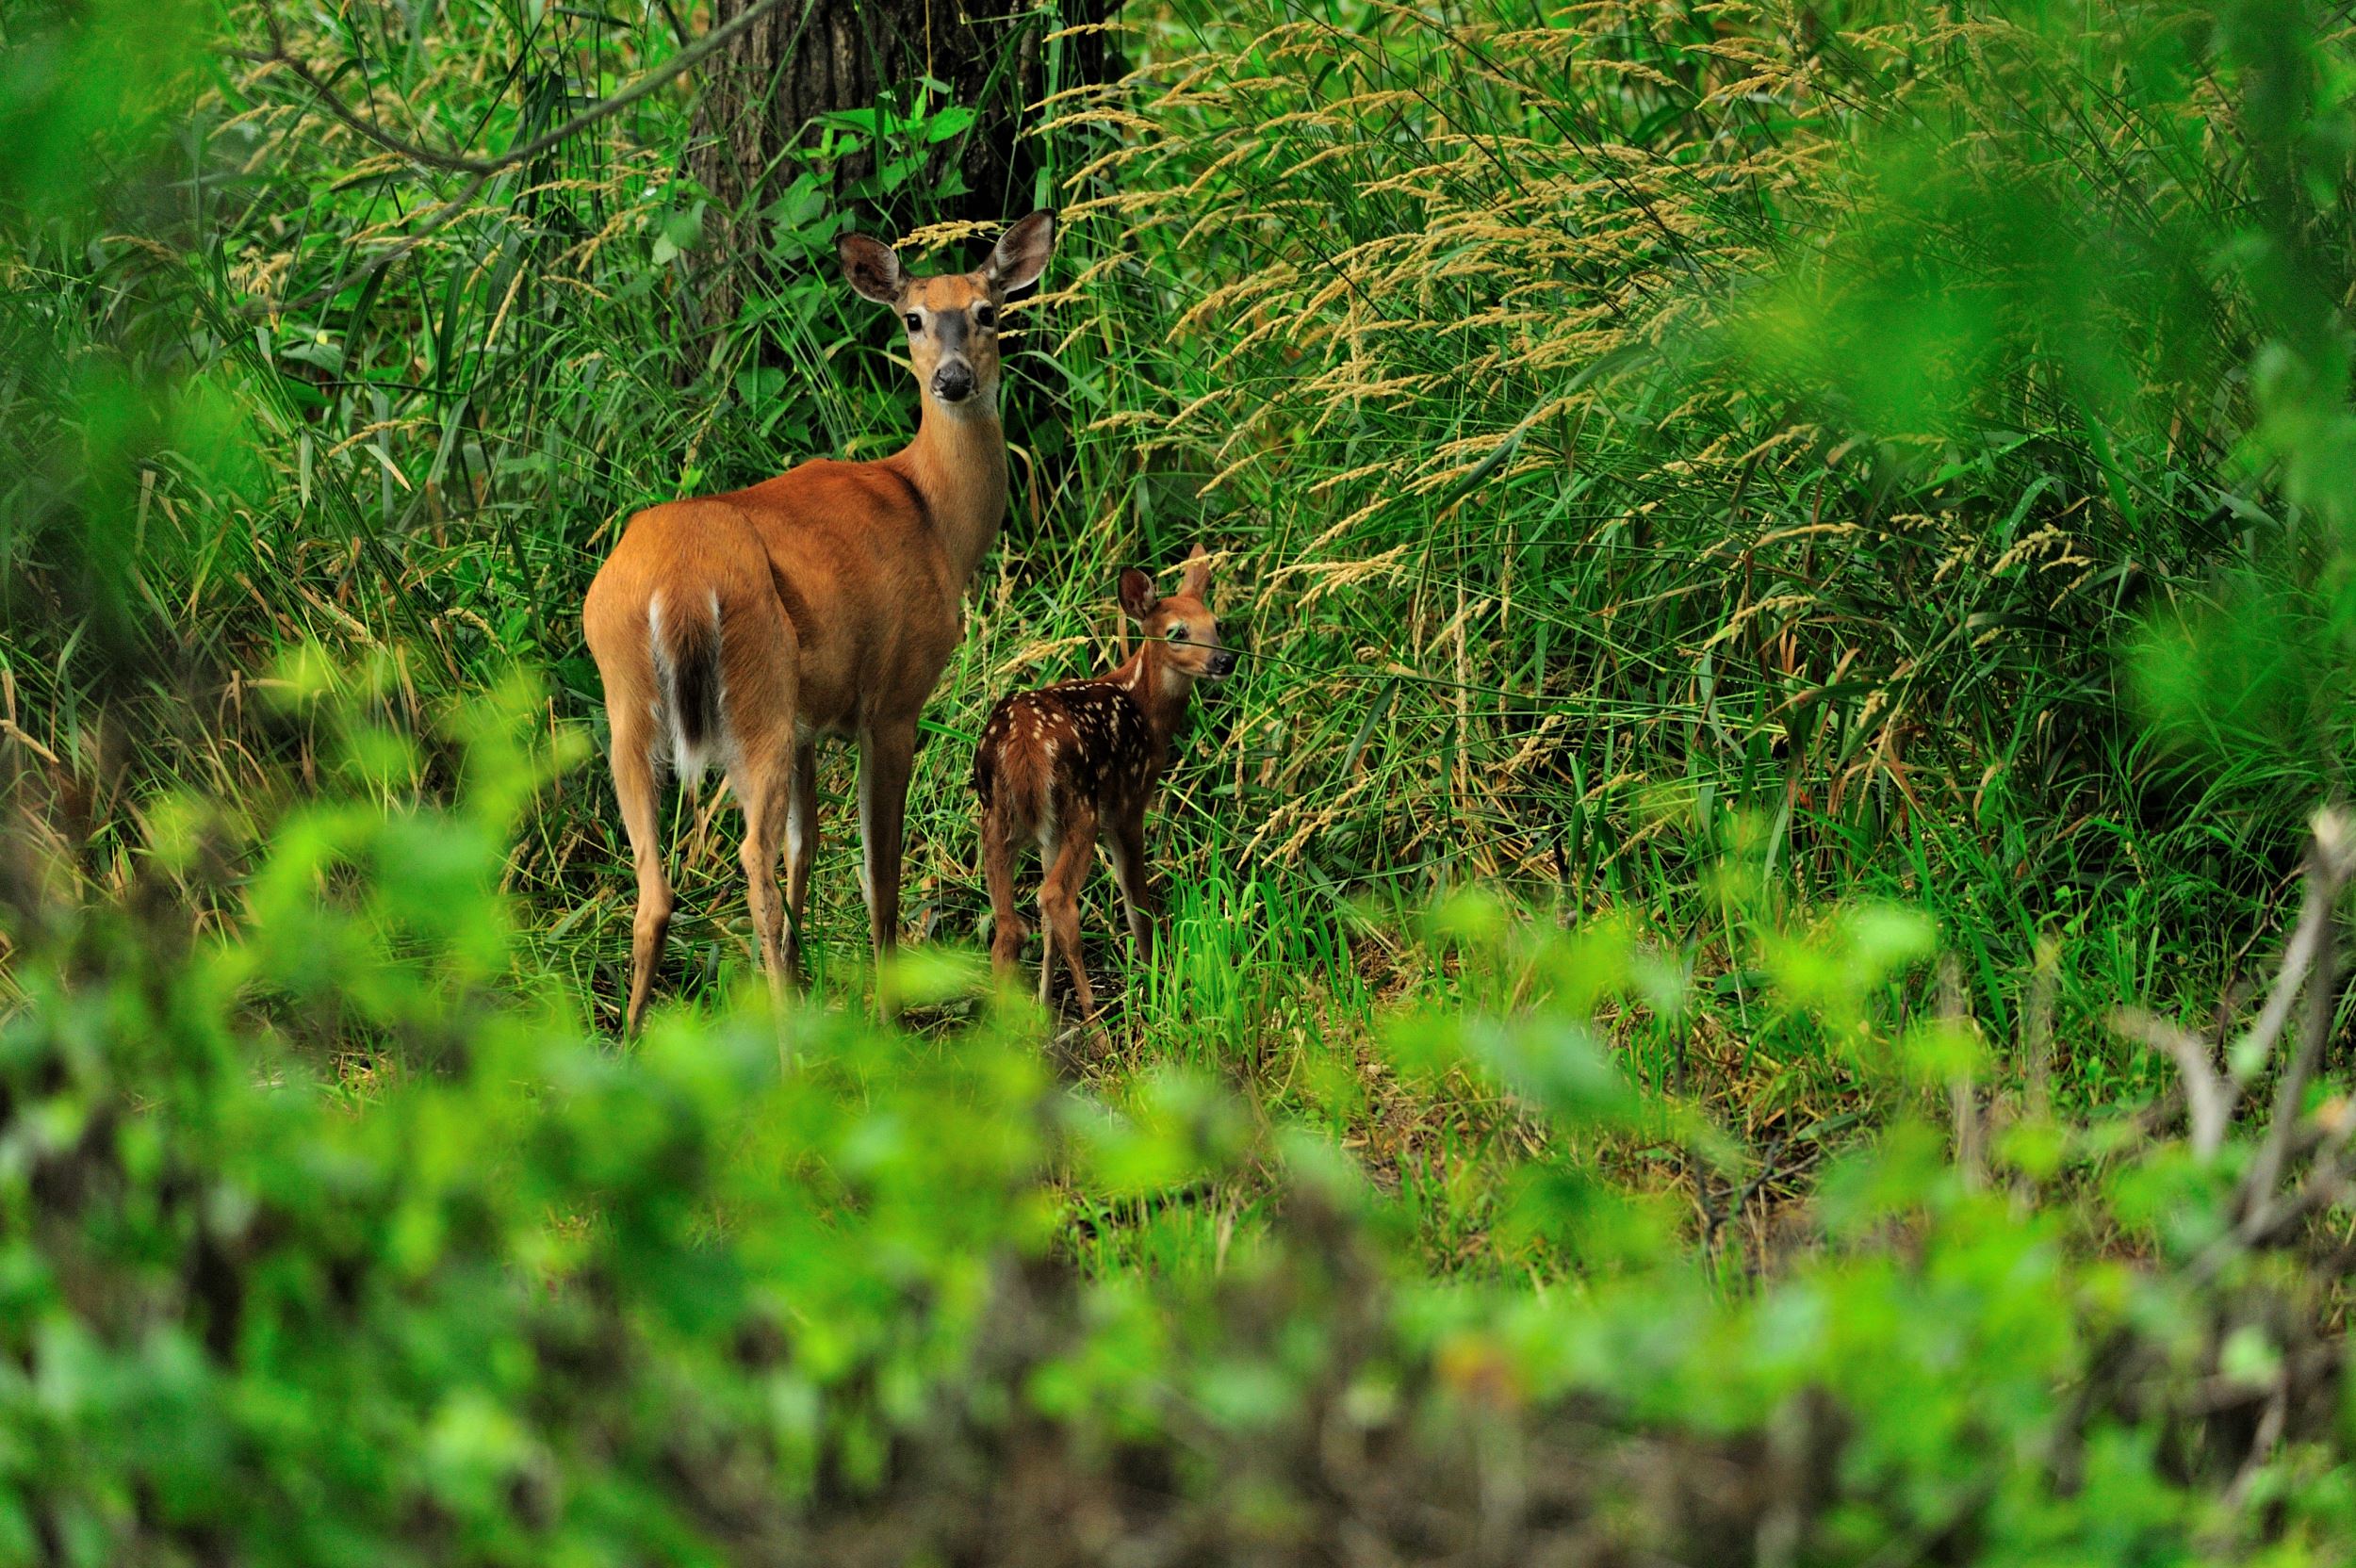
x: 853, y: 558
x: 859, y: 568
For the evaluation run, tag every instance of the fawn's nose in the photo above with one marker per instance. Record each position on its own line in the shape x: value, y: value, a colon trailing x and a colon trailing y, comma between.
x: 1223, y: 661
x: 954, y: 381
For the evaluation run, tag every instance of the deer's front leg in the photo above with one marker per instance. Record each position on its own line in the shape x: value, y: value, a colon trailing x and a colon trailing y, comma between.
x: 885, y: 751
x: 801, y: 851
x: 1126, y: 838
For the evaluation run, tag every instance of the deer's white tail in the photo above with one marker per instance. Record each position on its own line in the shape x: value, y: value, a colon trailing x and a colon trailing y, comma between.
x: 689, y: 710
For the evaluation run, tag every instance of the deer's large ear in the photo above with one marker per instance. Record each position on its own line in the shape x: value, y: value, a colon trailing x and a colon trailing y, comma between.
x: 870, y: 267
x: 1136, y: 595
x: 1198, y: 574
x: 1022, y: 253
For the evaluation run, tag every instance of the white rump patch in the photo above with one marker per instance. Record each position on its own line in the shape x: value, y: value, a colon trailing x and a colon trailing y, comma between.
x: 688, y: 763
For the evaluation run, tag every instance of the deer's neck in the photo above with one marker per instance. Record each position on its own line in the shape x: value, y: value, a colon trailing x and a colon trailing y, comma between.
x: 958, y: 464
x: 1161, y: 691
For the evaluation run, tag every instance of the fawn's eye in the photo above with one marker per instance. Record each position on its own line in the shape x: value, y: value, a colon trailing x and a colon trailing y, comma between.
x: 985, y: 316
x: 1177, y: 633
x: 916, y: 323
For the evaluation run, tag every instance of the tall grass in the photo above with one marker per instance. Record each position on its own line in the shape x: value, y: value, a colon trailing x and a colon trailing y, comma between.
x: 1634, y: 433
x: 1665, y: 413
x: 1702, y: 463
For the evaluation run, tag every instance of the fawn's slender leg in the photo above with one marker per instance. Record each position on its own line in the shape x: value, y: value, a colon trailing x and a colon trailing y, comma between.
x: 1005, y: 922
x: 634, y: 789
x: 801, y: 850
x: 1125, y: 835
x: 1059, y: 904
x: 1049, y: 850
x: 885, y: 751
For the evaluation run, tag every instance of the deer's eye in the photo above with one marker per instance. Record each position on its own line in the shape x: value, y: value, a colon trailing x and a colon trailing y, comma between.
x: 985, y: 316
x: 1177, y: 633
x: 916, y: 323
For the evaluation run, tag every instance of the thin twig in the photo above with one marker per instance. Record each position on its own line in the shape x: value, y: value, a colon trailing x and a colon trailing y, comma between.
x: 2261, y: 1445
x: 2208, y: 1098
x: 484, y: 169
x: 2037, y: 1027
x: 2334, y: 855
x: 456, y: 163
x: 2327, y: 873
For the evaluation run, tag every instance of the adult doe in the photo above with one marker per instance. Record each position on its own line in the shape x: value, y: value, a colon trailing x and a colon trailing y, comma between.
x: 740, y: 629
x: 1059, y: 765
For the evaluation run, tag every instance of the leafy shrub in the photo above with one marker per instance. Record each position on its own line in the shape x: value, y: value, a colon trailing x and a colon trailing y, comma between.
x: 791, y: 1289
x: 1829, y: 483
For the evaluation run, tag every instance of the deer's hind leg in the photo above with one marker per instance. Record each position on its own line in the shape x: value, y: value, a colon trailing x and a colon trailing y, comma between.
x: 634, y: 792
x: 765, y: 784
x: 762, y: 688
x: 801, y: 851
x: 886, y: 752
x: 1067, y: 862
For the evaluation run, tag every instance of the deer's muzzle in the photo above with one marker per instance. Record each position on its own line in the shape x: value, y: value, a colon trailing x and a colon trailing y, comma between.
x: 954, y: 381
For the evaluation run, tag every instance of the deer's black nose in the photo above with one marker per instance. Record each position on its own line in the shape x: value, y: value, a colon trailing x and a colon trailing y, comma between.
x: 952, y: 384
x: 1223, y: 663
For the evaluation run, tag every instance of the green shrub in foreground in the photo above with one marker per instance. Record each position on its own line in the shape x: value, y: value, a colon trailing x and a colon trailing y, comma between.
x: 549, y: 1303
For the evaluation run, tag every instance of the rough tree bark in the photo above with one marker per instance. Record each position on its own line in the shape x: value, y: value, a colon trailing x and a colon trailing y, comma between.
x: 807, y: 58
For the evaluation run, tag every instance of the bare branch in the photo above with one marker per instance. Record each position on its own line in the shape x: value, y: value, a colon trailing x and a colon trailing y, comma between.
x: 482, y: 169
x: 2208, y: 1098
x: 1970, y: 1123
x: 456, y: 163
x: 2261, y: 1443
x: 2037, y: 1026
x: 2327, y: 874
x: 2334, y: 858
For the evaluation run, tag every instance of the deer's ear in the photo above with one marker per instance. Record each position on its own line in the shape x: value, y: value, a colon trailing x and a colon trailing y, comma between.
x: 870, y: 267
x: 1198, y: 574
x: 1136, y: 595
x: 1022, y: 253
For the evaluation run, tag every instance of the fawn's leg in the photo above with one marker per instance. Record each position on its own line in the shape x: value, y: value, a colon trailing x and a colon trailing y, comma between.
x: 801, y: 850
x: 1048, y: 851
x: 634, y: 789
x: 1006, y: 923
x: 1126, y: 836
x: 885, y: 751
x: 1059, y: 904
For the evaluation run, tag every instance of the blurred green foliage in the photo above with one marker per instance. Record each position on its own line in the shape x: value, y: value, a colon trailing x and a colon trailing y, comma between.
x: 1709, y: 1196
x: 791, y: 1289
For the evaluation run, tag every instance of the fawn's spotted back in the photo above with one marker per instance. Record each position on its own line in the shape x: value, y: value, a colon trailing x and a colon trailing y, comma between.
x: 1088, y: 740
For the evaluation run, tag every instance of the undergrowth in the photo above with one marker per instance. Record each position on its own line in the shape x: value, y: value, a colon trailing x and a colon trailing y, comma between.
x: 1791, y: 568
x: 1620, y: 430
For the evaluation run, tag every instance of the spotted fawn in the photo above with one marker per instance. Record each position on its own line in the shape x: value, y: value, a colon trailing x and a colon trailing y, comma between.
x: 1061, y: 764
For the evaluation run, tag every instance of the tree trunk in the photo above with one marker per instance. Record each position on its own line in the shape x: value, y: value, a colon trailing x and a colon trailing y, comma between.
x: 753, y: 122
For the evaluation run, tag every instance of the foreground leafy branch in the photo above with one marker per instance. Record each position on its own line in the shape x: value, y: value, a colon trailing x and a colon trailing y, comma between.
x: 341, y: 1239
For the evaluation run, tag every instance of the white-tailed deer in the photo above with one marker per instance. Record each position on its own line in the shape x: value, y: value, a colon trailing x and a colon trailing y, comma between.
x: 740, y: 629
x: 1057, y: 765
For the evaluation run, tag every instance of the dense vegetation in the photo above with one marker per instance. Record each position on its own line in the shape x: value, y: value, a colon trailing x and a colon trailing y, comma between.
x: 1752, y: 968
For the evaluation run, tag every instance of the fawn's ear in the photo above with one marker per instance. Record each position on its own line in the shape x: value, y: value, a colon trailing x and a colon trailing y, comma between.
x: 1022, y: 253
x: 1198, y: 574
x: 870, y: 267
x: 1136, y: 595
